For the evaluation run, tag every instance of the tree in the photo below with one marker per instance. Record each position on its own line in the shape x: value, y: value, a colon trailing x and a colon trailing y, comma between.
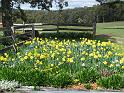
x: 7, y: 6
x: 109, y: 7
x: 109, y: 1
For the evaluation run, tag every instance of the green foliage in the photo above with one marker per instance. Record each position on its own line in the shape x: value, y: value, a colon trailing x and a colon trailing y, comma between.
x: 6, y: 41
x: 112, y: 82
x: 87, y: 75
x: 67, y: 35
x: 1, y: 46
x: 25, y: 75
x: 63, y: 79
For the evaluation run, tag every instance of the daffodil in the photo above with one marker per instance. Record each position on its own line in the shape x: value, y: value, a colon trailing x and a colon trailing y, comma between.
x: 25, y: 57
x: 111, y: 65
x: 70, y: 60
x: 105, y: 63
x: 82, y: 59
x: 122, y: 67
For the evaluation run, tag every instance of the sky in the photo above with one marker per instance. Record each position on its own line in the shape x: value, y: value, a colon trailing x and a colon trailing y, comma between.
x: 72, y: 4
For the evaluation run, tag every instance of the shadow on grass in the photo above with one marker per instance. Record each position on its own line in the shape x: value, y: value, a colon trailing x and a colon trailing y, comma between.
x: 114, y: 28
x: 104, y: 37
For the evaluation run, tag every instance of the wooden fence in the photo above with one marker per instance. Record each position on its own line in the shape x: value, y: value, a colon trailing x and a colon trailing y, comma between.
x: 14, y: 36
x: 31, y: 28
x: 62, y: 27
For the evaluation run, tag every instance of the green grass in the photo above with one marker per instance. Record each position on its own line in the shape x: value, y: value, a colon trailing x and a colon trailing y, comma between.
x: 113, y: 31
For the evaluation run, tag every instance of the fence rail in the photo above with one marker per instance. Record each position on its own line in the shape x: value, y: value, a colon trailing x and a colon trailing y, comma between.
x: 38, y: 27
x: 73, y: 29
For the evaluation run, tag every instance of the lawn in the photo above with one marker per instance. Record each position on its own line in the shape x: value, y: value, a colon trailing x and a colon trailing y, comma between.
x: 113, y: 31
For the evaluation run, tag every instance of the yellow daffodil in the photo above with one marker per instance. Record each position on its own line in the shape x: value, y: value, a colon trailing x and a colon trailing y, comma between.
x: 122, y: 67
x: 111, y: 65
x: 82, y: 59
x: 70, y: 60
x: 105, y: 63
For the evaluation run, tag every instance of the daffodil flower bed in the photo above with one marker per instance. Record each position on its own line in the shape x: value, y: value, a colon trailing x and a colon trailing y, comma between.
x: 45, y: 62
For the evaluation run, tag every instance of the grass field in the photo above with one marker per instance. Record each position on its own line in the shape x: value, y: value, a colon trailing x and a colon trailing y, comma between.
x: 112, y: 30
x: 115, y: 29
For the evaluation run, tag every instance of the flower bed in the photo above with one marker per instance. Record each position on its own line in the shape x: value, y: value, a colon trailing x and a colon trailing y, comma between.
x: 45, y: 62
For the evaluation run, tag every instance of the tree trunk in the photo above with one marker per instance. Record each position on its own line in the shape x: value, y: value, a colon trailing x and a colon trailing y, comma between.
x: 7, y: 16
x: 103, y: 19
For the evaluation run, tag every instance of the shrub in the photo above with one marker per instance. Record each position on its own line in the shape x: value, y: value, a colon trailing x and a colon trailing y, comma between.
x: 67, y: 35
x: 6, y: 41
x: 25, y: 75
x: 87, y: 75
x: 1, y: 46
x: 113, y: 82
x: 62, y: 80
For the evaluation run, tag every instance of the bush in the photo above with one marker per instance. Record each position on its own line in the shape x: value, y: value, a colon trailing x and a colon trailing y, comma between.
x: 25, y: 76
x: 1, y: 46
x: 87, y: 75
x: 112, y: 82
x: 62, y: 80
x: 67, y: 35
x: 6, y: 41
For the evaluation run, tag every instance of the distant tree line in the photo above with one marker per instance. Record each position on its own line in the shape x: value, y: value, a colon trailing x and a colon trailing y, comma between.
x: 111, y: 12
x: 78, y: 15
x: 85, y: 15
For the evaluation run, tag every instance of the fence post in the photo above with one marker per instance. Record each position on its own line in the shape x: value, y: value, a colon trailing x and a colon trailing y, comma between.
x: 94, y: 26
x: 57, y: 27
x: 33, y: 32
x: 24, y: 25
x: 13, y: 38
